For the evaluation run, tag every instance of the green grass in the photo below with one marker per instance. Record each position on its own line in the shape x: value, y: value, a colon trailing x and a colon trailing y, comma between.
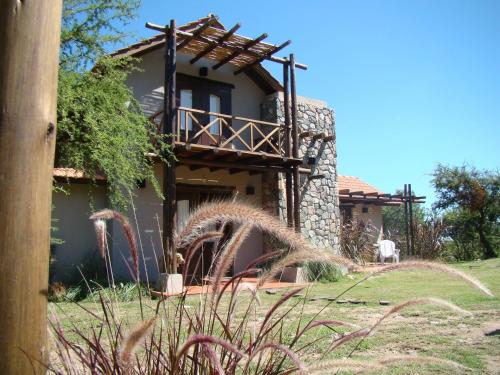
x: 423, y: 330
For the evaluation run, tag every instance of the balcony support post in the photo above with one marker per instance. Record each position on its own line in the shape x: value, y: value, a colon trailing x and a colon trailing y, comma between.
x: 288, y: 153
x: 169, y: 190
x: 295, y: 148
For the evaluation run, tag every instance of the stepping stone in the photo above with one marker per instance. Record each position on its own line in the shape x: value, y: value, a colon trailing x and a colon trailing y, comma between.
x: 342, y: 301
x: 298, y: 295
x: 384, y: 303
x: 271, y: 291
x: 315, y: 298
x: 356, y: 302
x: 331, y: 299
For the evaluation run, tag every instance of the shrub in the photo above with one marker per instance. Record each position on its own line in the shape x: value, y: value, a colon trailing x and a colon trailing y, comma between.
x: 356, y: 241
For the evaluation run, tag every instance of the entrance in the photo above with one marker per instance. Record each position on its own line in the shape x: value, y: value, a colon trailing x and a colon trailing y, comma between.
x: 189, y: 197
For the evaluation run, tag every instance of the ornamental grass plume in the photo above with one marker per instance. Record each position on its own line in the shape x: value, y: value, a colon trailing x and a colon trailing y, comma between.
x: 107, y: 214
x: 222, y: 332
x: 132, y: 340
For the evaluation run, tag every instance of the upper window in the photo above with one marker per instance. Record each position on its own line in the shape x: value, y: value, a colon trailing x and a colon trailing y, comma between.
x: 186, y: 101
x: 216, y: 108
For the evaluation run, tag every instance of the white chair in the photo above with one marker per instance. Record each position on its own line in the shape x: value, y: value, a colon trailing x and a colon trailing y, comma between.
x: 387, y: 249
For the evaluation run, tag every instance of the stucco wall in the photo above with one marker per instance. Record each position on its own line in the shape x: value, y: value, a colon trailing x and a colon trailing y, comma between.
x: 72, y: 213
x: 148, y: 209
x: 372, y: 217
x: 147, y: 84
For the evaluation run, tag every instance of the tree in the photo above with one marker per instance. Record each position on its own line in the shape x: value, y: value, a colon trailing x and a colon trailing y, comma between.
x: 102, y: 129
x: 393, y: 218
x: 470, y: 199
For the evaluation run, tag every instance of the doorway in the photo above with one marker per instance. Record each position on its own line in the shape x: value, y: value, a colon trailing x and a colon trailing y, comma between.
x: 189, y: 197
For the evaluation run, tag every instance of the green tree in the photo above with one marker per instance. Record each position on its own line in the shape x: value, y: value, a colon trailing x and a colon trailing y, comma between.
x: 471, y: 203
x: 393, y: 218
x: 102, y: 129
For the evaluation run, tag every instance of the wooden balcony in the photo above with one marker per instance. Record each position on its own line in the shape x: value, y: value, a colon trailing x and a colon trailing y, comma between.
x: 216, y: 140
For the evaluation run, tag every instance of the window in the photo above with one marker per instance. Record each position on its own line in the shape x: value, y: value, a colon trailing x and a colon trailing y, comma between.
x: 214, y: 107
x: 186, y: 101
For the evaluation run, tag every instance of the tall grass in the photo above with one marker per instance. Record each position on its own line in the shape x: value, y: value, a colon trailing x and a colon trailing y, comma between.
x: 224, y: 332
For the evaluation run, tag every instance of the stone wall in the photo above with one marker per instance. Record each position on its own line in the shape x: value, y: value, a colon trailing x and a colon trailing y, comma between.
x: 319, y: 204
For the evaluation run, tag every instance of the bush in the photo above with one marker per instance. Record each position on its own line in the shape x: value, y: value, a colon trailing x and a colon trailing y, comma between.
x: 323, y: 272
x: 356, y: 241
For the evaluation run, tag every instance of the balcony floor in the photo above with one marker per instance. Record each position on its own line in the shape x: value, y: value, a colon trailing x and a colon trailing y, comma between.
x: 199, y: 156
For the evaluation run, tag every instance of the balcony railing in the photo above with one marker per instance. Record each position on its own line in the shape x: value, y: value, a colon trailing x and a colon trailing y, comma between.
x: 225, y: 131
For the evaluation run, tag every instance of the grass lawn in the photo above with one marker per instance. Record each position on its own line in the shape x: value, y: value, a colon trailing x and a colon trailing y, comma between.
x: 424, y: 330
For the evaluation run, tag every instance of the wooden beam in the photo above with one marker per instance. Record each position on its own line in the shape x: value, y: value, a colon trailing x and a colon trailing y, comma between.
x: 169, y: 190
x: 316, y: 176
x: 219, y: 43
x: 244, y: 49
x: 214, y: 169
x: 360, y: 192
x: 295, y: 145
x: 328, y: 138
x: 152, y: 26
x: 288, y: 148
x: 196, y: 33
x: 344, y: 191
x: 217, y: 164
x: 29, y: 56
x: 236, y: 170
x: 305, y: 134
x: 372, y: 193
x: 318, y: 136
x: 195, y: 167
x: 265, y: 57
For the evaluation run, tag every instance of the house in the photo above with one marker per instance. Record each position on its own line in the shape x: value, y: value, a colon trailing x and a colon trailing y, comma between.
x: 238, y: 133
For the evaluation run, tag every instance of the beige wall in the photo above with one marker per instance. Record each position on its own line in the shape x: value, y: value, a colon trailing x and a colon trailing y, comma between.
x: 147, y: 84
x: 373, y: 217
x: 72, y: 213
x: 149, y: 217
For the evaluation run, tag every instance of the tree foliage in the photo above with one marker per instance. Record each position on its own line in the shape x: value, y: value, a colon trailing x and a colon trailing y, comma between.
x: 101, y: 127
x: 88, y: 26
x: 471, y: 203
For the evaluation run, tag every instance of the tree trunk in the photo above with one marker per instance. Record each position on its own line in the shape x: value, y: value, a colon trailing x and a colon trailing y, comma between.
x: 29, y: 52
x: 489, y: 252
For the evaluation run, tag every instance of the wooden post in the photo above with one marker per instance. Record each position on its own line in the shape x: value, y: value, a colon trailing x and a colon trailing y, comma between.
x: 288, y: 150
x: 295, y: 146
x: 410, y: 211
x: 407, y: 236
x: 169, y: 189
x: 29, y: 59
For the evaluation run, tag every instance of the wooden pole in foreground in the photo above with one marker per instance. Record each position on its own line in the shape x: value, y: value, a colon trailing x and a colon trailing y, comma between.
x: 295, y: 146
x: 288, y: 149
x: 169, y: 116
x: 29, y: 59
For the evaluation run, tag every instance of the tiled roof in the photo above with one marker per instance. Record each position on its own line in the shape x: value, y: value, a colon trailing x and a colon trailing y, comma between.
x: 352, y: 183
x: 75, y: 174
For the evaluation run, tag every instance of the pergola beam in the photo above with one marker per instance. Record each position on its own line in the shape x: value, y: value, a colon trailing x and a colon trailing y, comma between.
x: 225, y: 44
x: 196, y: 33
x: 219, y: 43
x: 236, y: 53
x: 266, y: 56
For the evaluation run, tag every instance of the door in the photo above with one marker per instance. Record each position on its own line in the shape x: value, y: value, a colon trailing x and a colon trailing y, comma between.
x: 205, y: 95
x: 189, y: 197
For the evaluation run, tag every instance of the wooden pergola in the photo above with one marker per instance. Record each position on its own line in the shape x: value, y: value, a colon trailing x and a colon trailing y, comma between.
x: 210, y: 40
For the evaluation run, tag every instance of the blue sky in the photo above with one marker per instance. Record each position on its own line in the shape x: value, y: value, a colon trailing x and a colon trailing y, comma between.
x: 413, y: 83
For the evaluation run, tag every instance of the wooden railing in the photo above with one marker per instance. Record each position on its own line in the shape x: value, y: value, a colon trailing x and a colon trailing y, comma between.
x: 226, y: 131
